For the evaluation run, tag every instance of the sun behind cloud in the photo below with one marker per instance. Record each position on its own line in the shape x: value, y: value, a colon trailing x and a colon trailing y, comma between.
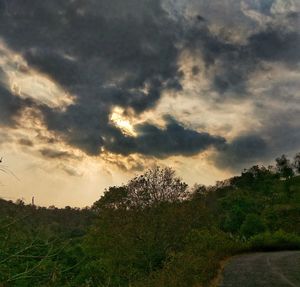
x: 118, y: 118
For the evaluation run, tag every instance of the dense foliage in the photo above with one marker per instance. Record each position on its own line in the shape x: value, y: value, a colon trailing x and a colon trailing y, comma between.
x: 154, y: 231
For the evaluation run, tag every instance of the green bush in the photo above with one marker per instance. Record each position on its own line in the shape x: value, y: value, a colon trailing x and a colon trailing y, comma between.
x: 278, y: 240
x: 252, y: 225
x: 198, y: 263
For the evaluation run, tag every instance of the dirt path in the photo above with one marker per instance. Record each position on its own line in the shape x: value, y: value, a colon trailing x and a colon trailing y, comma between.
x: 274, y: 269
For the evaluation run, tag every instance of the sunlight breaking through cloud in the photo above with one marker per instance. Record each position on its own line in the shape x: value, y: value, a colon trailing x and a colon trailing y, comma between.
x: 119, y: 119
x: 26, y: 82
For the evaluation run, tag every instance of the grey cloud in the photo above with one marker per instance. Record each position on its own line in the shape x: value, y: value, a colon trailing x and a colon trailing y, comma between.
x: 124, y: 53
x: 174, y: 139
x: 26, y: 142
x: 11, y: 107
x: 151, y: 140
x: 56, y: 154
x: 282, y: 129
x: 280, y: 134
x: 95, y: 44
x: 262, y: 6
x: 231, y: 63
x: 70, y: 171
x: 276, y: 45
x: 104, y: 53
x: 234, y: 63
x: 243, y: 150
x: 62, y: 69
x: 4, y: 138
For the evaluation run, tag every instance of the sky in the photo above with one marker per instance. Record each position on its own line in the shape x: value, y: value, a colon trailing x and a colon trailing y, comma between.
x: 93, y: 92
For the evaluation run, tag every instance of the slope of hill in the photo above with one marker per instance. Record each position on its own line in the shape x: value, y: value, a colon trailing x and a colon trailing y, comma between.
x: 154, y: 231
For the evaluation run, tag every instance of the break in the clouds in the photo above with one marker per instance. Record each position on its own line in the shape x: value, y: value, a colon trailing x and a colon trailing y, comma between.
x: 138, y: 54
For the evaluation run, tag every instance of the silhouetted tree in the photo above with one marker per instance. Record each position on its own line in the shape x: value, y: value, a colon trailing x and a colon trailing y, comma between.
x: 284, y: 167
x: 155, y: 186
x: 199, y: 191
x: 115, y: 197
x: 297, y: 162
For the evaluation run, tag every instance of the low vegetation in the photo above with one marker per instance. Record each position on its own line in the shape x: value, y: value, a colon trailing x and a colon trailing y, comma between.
x: 153, y: 231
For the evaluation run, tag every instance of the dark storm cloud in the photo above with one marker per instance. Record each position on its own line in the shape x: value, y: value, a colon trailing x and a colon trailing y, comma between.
x: 80, y: 125
x: 96, y: 44
x: 151, y: 140
x: 282, y: 131
x: 174, y: 139
x: 62, y: 69
x: 243, y: 150
x: 124, y: 53
x: 10, y: 107
x: 104, y: 53
x: 234, y: 63
x: 280, y: 135
x: 276, y: 45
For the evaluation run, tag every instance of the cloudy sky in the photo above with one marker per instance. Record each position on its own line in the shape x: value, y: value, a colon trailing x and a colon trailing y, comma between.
x: 93, y: 92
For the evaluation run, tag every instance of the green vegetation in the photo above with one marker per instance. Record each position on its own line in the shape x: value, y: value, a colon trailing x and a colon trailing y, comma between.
x: 153, y: 231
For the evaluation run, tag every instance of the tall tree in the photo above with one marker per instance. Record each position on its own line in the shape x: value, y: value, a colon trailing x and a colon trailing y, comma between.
x: 155, y: 186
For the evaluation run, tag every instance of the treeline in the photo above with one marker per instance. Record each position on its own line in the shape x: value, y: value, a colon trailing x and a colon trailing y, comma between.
x: 153, y: 231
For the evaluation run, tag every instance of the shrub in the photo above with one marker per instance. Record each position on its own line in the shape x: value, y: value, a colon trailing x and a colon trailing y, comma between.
x: 252, y: 225
x: 278, y: 240
x: 198, y: 263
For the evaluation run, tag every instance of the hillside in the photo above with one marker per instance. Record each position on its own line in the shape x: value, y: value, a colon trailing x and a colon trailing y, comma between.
x: 155, y: 231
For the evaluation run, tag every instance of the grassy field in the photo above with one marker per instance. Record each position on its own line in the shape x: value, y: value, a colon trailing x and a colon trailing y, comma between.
x: 276, y: 269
